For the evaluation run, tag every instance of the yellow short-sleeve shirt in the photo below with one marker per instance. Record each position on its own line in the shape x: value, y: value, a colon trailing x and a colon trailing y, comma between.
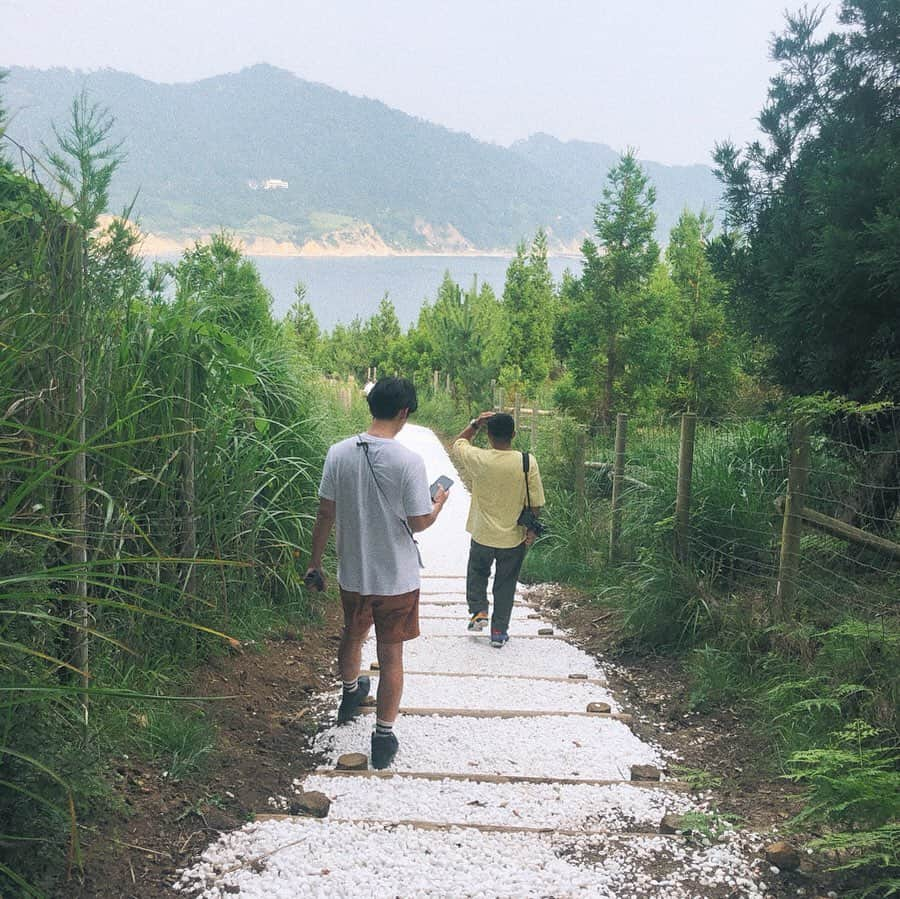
x: 498, y: 492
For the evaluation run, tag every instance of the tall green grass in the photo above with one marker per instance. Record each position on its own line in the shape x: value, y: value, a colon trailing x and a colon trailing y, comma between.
x: 205, y: 431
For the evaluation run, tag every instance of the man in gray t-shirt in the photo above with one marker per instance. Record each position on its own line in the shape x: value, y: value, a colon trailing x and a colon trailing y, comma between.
x: 375, y: 492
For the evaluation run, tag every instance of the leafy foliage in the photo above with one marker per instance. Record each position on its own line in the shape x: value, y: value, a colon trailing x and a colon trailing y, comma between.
x: 528, y: 305
x: 815, y: 206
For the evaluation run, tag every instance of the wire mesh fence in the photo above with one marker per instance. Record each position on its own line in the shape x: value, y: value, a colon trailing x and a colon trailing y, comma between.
x: 848, y: 545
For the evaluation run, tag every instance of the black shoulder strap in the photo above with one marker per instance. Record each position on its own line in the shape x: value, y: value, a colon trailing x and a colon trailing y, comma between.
x: 361, y: 441
x: 525, y: 466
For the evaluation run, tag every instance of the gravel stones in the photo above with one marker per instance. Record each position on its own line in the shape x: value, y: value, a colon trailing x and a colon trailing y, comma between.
x: 581, y: 747
x: 459, y: 610
x: 617, y: 807
x: 308, y: 858
x: 455, y: 626
x: 436, y: 691
x: 465, y: 655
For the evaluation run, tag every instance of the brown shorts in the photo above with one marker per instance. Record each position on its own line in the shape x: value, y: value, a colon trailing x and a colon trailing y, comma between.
x: 396, y: 618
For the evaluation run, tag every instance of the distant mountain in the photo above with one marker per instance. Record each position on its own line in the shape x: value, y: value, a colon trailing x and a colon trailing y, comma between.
x: 273, y: 157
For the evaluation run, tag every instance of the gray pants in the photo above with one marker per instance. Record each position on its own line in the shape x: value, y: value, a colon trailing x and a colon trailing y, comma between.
x: 506, y: 574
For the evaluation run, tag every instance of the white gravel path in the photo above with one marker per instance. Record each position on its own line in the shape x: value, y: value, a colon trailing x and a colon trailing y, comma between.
x: 456, y: 627
x: 423, y: 691
x: 372, y: 858
x: 307, y: 859
x: 555, y: 658
x: 563, y: 806
x: 459, y: 610
x: 583, y: 747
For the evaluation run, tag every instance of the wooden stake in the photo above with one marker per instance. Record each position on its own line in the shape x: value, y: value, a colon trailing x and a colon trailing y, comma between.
x: 618, y: 476
x: 683, y: 496
x: 792, y: 523
x: 580, y: 450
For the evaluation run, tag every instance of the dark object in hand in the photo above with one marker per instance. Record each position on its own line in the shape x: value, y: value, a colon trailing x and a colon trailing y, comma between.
x: 442, y: 481
x: 314, y: 580
x: 528, y: 520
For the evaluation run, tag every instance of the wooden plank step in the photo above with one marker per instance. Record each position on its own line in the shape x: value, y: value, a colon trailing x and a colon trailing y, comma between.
x: 503, y: 713
x: 485, y: 777
x: 600, y: 682
x: 419, y: 824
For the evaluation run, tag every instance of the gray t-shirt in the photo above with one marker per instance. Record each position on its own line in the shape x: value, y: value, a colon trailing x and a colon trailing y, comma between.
x: 376, y: 555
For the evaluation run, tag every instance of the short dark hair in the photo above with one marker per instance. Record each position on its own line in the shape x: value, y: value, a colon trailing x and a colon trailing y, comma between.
x: 501, y: 427
x: 390, y: 395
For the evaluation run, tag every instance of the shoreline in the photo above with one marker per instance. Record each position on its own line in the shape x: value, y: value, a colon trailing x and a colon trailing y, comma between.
x: 154, y: 245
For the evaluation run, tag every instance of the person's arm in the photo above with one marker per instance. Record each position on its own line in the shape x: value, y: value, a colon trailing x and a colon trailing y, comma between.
x: 531, y: 536
x: 536, y: 491
x: 471, y: 429
x: 419, y: 523
x: 321, y: 531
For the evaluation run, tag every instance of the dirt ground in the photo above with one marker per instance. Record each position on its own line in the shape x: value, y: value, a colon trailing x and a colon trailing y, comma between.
x: 265, y: 736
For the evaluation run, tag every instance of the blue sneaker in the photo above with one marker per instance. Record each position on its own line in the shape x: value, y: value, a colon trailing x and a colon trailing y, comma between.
x: 498, y: 638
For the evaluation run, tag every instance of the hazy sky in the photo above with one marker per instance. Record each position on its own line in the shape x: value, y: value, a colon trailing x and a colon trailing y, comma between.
x: 669, y: 77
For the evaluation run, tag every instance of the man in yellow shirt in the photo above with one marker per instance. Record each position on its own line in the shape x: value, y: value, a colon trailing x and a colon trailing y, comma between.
x: 496, y: 477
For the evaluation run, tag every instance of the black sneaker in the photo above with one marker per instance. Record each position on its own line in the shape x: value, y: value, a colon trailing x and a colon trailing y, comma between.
x: 384, y: 748
x: 350, y: 702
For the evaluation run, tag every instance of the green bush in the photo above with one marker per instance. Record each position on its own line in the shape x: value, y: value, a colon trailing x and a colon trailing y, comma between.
x: 854, y: 784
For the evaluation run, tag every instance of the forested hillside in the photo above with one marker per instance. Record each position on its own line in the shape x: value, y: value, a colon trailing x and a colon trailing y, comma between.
x: 192, y: 151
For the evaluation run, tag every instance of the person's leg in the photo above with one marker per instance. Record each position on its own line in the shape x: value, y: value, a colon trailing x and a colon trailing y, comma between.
x: 350, y: 655
x: 390, y: 681
x: 357, y: 623
x: 506, y: 576
x: 477, y: 574
x: 396, y: 620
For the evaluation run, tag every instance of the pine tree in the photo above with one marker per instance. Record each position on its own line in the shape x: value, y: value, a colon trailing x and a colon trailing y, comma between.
x: 616, y: 271
x: 815, y: 206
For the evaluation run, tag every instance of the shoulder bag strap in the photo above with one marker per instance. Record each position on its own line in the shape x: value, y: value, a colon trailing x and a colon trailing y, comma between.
x: 526, y: 464
x: 365, y: 445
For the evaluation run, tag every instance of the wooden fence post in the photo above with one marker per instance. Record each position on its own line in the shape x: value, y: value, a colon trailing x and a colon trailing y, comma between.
x: 792, y: 523
x: 434, y: 381
x: 447, y: 382
x: 580, y: 449
x: 534, y: 424
x: 517, y: 410
x: 615, y: 527
x: 683, y: 496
